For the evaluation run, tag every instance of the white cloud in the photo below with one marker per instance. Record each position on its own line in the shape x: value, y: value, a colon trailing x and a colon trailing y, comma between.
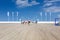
x: 54, y: 0
x: 52, y: 9
x: 51, y: 0
x: 49, y: 6
x: 34, y: 3
x: 25, y: 3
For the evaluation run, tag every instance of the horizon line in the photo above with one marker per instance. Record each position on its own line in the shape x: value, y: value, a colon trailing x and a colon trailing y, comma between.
x: 20, y: 22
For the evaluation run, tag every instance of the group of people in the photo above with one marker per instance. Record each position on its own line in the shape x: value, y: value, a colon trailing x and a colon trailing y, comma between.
x: 28, y: 22
x: 25, y: 22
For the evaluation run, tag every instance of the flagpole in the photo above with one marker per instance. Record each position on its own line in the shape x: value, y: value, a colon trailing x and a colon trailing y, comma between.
x: 46, y: 16
x: 59, y: 17
x: 20, y: 20
x: 50, y: 16
x: 12, y: 16
x: 8, y: 15
x: 41, y: 15
x: 17, y: 16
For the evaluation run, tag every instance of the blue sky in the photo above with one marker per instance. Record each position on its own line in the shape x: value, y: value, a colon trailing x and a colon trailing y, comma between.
x: 29, y: 9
